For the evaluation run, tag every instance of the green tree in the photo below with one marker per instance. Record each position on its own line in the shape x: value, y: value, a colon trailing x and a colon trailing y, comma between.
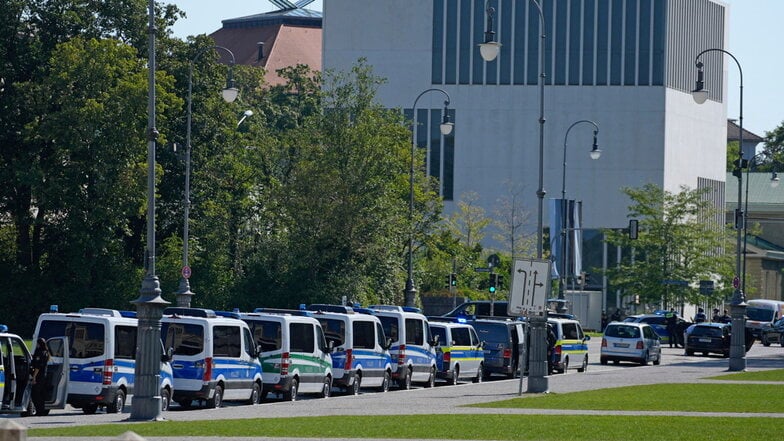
x: 677, y: 241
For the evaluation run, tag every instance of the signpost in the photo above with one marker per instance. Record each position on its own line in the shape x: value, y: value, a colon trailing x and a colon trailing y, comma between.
x: 530, y: 287
x: 528, y: 295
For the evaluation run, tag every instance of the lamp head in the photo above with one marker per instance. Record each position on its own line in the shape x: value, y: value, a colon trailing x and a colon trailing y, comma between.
x: 489, y: 49
x: 446, y: 125
x: 230, y: 93
x: 699, y: 94
x: 596, y: 152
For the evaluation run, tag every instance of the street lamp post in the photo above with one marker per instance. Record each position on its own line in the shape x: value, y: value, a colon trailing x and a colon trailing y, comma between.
x: 774, y: 182
x: 738, y: 302
x: 537, y: 365
x: 446, y: 128
x: 229, y: 94
x: 146, y: 404
x: 595, y: 154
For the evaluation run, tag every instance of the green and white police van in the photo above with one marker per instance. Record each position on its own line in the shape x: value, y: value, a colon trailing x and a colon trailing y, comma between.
x: 294, y: 353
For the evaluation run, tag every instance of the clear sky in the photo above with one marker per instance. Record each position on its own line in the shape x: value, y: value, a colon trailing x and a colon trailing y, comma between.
x: 756, y: 33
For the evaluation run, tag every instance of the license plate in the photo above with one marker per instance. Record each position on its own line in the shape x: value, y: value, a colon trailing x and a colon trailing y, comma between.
x: 705, y: 340
x: 621, y: 345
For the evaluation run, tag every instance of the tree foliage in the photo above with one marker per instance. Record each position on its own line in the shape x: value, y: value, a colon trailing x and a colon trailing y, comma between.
x: 676, y: 242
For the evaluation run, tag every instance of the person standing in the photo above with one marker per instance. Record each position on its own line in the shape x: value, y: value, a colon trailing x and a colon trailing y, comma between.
x: 700, y: 317
x: 672, y: 326
x: 716, y: 316
x: 604, y: 320
x: 39, y: 365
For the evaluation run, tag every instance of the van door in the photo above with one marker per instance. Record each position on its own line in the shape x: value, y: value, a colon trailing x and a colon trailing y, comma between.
x: 57, y: 373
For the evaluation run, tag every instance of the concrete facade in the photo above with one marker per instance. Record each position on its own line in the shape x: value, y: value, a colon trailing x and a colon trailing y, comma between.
x: 651, y: 133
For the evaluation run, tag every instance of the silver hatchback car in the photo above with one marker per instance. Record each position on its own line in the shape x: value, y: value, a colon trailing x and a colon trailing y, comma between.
x: 635, y: 342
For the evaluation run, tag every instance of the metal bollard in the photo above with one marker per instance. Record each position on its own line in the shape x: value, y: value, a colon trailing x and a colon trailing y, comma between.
x: 12, y: 431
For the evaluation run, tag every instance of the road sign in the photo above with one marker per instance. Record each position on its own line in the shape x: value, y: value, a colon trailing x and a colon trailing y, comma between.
x: 482, y: 270
x: 530, y: 287
x: 736, y: 282
x: 186, y: 272
x: 493, y: 261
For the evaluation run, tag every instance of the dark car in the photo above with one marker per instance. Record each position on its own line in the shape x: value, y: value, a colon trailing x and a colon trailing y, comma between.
x: 500, y: 340
x: 480, y: 308
x: 773, y: 334
x: 708, y: 338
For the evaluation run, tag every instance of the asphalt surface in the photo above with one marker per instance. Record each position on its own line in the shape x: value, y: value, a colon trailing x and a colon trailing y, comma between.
x: 675, y: 368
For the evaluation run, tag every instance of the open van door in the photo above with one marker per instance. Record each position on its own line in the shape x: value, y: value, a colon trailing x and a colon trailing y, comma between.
x: 57, y: 373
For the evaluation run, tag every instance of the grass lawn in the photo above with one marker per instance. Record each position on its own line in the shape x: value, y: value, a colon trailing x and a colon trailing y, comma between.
x: 490, y: 427
x: 674, y: 397
x: 700, y: 397
x: 766, y: 375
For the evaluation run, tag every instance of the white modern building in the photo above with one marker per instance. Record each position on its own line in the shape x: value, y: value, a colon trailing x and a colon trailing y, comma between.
x: 627, y: 65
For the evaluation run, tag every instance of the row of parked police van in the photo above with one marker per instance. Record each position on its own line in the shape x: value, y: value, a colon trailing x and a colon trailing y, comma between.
x: 211, y: 357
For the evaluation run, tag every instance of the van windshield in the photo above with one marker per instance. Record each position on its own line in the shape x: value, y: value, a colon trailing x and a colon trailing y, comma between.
x: 759, y: 314
x: 86, y: 340
x: 185, y: 338
x: 492, y: 332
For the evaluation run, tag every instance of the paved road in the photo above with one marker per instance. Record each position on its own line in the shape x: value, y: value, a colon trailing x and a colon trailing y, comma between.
x: 675, y: 368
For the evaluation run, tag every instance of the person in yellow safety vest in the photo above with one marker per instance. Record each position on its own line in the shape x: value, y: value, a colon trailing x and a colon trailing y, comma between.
x: 672, y: 326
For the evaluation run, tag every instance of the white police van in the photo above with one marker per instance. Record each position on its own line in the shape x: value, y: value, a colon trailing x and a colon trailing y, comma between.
x: 360, y: 355
x: 294, y: 353
x: 214, y: 359
x: 459, y: 353
x: 101, y: 357
x: 412, y: 345
x: 16, y: 375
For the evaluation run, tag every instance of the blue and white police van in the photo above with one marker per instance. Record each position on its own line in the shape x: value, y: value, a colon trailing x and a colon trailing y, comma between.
x: 214, y: 360
x: 360, y: 355
x: 412, y: 345
x: 16, y: 375
x: 101, y: 357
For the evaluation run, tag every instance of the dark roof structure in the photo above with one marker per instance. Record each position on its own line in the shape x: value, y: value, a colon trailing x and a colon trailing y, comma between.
x: 286, y: 37
x: 733, y: 133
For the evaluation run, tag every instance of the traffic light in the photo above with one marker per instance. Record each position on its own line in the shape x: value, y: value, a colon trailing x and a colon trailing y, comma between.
x: 448, y: 281
x: 453, y: 280
x: 493, y: 282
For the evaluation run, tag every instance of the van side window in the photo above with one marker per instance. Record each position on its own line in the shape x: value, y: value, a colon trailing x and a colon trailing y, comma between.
x: 334, y: 330
x: 461, y: 336
x: 415, y: 332
x: 302, y: 338
x: 226, y: 341
x: 364, y: 337
x: 250, y: 348
x: 86, y: 339
x: 322, y: 342
x: 125, y: 342
x: 474, y: 337
x: 185, y: 338
x: 390, y: 327
x: 267, y: 334
x: 570, y: 331
x: 380, y: 336
x: 441, y: 334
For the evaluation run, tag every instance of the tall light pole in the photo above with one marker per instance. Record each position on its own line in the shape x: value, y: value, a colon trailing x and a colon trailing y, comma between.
x: 774, y: 182
x: 229, y: 94
x: 595, y: 154
x: 146, y: 404
x: 537, y: 365
x: 446, y: 128
x: 738, y: 302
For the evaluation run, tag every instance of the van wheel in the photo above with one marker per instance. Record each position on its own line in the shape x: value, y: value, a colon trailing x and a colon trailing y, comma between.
x: 385, y: 382
x: 565, y: 365
x: 326, y: 391
x: 584, y: 366
x: 291, y: 394
x: 765, y: 341
x: 431, y: 382
x: 165, y: 399
x: 405, y: 384
x: 118, y: 404
x: 217, y: 398
x: 89, y: 409
x: 479, y: 374
x: 455, y: 375
x: 255, y: 394
x: 354, y: 389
